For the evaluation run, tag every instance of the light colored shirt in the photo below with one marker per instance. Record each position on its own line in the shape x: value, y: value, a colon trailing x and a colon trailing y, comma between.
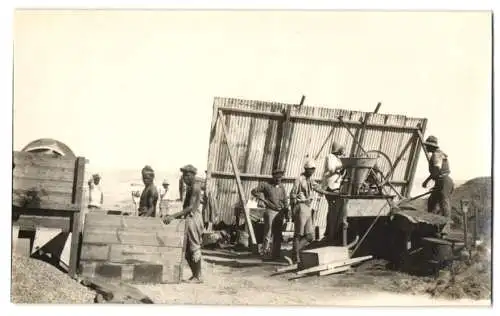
x: 95, y: 194
x: 302, y: 191
x: 332, y: 177
x: 162, y: 192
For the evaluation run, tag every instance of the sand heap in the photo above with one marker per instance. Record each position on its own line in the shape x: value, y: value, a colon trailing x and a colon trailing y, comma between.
x: 37, y: 282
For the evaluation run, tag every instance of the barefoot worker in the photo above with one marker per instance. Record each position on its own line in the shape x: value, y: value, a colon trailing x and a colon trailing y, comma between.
x: 273, y: 196
x: 149, y: 196
x: 96, y: 197
x: 301, y: 198
x: 439, y: 170
x: 194, y: 222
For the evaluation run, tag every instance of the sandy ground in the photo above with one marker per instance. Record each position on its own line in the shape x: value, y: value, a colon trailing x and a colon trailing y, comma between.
x: 229, y: 283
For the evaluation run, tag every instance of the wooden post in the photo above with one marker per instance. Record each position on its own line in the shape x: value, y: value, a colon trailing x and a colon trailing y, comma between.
x: 465, y: 215
x: 76, y: 217
x: 415, y: 153
x: 238, y: 180
x: 345, y: 224
x: 476, y: 226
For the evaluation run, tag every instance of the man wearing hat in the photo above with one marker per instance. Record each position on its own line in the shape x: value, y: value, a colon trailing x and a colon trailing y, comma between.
x: 439, y: 169
x: 194, y: 221
x: 332, y: 179
x: 273, y: 195
x: 149, y: 196
x: 301, y: 198
x: 163, y: 203
x: 96, y: 196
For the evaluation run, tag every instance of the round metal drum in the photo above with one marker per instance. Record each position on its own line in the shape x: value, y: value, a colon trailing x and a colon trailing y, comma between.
x: 49, y: 146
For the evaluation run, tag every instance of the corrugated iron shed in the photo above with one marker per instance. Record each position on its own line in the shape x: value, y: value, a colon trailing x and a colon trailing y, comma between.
x: 264, y: 135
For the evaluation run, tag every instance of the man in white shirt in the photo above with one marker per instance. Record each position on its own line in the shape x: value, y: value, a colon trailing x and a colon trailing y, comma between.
x: 96, y: 196
x: 163, y: 204
x: 332, y: 179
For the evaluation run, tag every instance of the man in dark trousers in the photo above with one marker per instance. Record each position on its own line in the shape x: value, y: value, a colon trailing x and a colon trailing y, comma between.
x: 194, y: 222
x: 149, y: 196
x: 273, y: 195
x: 439, y: 201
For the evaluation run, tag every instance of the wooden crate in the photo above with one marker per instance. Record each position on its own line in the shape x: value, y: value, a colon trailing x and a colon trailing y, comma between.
x: 315, y: 257
x: 132, y: 248
x: 47, y: 192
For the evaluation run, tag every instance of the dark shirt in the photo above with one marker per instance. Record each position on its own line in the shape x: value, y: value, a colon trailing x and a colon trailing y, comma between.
x: 193, y: 197
x: 274, y: 194
x: 148, y: 200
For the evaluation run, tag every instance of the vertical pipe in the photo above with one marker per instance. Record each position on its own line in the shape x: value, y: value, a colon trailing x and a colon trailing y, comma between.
x: 344, y: 222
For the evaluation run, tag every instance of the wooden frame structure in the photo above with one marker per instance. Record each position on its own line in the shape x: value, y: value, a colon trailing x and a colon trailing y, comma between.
x: 48, y: 192
x: 250, y: 138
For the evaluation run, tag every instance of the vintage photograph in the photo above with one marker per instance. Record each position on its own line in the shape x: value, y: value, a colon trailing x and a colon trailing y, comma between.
x: 252, y: 157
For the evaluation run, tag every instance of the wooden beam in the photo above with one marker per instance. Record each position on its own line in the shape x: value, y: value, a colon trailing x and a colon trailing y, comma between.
x: 334, y: 264
x: 32, y: 222
x: 238, y: 180
x: 416, y: 154
x: 77, y: 216
x: 279, y: 115
x: 334, y: 270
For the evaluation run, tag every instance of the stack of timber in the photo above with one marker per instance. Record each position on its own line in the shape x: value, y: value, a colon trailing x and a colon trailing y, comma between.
x: 132, y: 249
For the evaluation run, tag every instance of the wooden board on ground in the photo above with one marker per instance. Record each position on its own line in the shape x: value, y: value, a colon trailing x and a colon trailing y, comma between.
x: 315, y: 257
x: 132, y: 249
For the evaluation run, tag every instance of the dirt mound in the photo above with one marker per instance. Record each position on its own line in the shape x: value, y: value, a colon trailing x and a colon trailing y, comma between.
x: 37, y: 282
x: 468, y: 279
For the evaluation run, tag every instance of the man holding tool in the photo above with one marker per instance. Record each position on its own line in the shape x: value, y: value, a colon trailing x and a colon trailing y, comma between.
x: 439, y: 170
x: 273, y: 195
x: 301, y: 198
x: 194, y: 222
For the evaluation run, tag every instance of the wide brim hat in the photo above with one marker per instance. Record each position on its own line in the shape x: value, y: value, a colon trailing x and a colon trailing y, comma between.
x: 337, y: 148
x: 310, y: 164
x: 431, y: 141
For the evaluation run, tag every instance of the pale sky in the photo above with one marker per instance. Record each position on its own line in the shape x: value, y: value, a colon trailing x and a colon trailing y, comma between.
x: 129, y: 88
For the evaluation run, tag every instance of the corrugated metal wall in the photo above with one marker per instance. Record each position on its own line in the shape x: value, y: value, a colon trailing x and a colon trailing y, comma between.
x: 259, y: 142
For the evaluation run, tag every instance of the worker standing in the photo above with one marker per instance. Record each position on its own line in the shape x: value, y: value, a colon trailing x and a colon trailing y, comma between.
x: 439, y: 201
x: 163, y: 204
x: 332, y: 179
x: 273, y: 195
x: 301, y: 198
x: 194, y: 222
x: 96, y: 196
x: 149, y: 196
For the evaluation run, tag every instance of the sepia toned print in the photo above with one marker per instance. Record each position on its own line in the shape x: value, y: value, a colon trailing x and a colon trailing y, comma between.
x: 252, y: 158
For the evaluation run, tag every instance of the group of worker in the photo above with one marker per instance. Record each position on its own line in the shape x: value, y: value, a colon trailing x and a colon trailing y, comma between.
x: 274, y: 198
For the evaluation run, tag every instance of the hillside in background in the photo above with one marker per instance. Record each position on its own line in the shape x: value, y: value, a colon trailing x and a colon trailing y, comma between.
x: 479, y: 192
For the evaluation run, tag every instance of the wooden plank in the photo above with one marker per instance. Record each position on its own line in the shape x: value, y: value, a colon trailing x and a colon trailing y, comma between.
x: 44, y: 204
x: 165, y: 255
x: 238, y: 181
x: 334, y: 264
x: 334, y: 270
x: 52, y: 173
x: 310, y: 118
x: 42, y: 185
x: 98, y: 219
x: 287, y: 268
x: 94, y: 252
x: 31, y: 222
x: 77, y: 216
x: 22, y: 159
x: 101, y: 235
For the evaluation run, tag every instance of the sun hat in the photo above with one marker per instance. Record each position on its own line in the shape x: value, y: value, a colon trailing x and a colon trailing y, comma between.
x: 337, y: 148
x: 189, y: 168
x: 431, y: 141
x: 310, y: 164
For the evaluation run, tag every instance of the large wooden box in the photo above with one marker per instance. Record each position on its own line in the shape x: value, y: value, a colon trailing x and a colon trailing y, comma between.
x: 132, y: 248
x: 315, y: 257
